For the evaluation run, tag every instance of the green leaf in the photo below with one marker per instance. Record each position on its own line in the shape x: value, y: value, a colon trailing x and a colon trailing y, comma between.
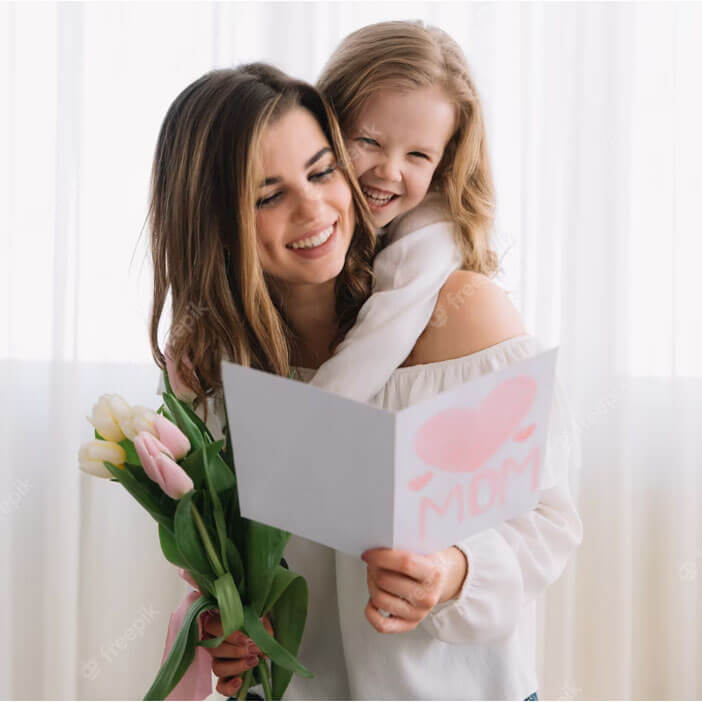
x: 161, y: 511
x: 236, y: 566
x: 289, y: 601
x: 182, y: 652
x: 264, y: 548
x: 130, y: 450
x: 275, y: 651
x: 221, y: 475
x: 188, y: 539
x: 211, y: 472
x: 230, y: 608
x: 197, y: 421
x: 184, y: 422
x: 170, y: 547
x: 166, y: 413
x: 282, y: 578
x: 167, y: 382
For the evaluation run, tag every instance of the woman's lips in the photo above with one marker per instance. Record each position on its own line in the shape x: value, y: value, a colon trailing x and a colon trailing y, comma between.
x: 322, y: 249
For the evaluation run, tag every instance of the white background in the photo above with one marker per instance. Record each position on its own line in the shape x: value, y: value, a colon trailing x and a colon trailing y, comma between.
x: 593, y: 114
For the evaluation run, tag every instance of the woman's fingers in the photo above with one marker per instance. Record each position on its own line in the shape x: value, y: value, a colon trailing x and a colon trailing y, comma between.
x: 229, y: 687
x: 227, y: 650
x: 225, y: 667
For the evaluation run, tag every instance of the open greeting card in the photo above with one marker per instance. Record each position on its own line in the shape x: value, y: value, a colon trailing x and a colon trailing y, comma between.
x: 352, y: 476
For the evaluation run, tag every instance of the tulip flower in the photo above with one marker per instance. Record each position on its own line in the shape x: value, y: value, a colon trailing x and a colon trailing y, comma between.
x: 180, y: 389
x: 108, y: 414
x: 159, y: 465
x: 139, y: 419
x: 171, y: 437
x: 93, y: 454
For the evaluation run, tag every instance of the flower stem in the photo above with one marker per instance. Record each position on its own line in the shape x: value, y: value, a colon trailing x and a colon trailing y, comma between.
x: 265, y: 680
x: 209, y: 547
x: 245, y: 685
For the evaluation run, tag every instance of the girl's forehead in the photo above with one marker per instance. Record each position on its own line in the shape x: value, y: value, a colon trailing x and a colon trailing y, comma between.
x: 422, y: 112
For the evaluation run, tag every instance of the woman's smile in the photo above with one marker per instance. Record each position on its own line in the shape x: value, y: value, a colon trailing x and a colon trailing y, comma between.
x: 316, y: 244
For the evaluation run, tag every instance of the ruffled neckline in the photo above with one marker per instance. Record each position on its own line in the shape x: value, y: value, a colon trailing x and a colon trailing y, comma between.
x: 306, y: 373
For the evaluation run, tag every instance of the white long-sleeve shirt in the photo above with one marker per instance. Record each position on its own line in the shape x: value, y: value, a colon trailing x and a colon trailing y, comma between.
x: 409, y: 273
x: 482, y: 644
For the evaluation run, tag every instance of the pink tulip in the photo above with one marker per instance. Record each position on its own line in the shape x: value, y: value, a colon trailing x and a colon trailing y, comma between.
x: 176, y: 482
x: 159, y: 465
x: 171, y: 437
x: 180, y: 389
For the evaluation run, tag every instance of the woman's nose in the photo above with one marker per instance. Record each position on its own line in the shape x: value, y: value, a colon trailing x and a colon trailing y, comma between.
x: 308, y: 205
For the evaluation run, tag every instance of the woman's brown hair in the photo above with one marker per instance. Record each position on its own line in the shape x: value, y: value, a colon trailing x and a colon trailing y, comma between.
x: 202, y: 226
x: 406, y: 55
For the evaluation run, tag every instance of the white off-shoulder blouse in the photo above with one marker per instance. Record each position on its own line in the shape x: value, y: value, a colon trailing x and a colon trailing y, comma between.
x: 480, y: 645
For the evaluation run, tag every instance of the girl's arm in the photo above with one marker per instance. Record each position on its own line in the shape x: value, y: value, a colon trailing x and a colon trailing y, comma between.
x: 409, y: 273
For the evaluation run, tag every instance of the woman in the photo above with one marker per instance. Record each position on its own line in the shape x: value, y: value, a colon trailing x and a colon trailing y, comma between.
x: 256, y: 221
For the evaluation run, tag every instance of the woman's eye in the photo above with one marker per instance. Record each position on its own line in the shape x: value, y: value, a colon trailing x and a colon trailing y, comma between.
x: 324, y: 175
x: 368, y: 140
x: 420, y: 154
x: 263, y: 202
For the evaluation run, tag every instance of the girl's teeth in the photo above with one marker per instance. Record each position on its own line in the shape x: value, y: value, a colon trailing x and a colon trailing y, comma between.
x: 377, y: 198
x: 313, y: 241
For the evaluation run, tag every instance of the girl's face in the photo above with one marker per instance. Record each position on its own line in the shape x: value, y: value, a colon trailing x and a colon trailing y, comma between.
x: 396, y: 145
x: 304, y: 209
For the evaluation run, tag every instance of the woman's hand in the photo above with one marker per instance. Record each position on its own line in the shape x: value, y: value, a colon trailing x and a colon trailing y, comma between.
x: 234, y: 656
x: 408, y: 585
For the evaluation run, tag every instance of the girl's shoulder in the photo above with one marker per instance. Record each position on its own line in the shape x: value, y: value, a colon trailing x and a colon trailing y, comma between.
x: 472, y: 313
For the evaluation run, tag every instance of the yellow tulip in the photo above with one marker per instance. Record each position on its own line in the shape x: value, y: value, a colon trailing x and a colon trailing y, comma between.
x: 93, y: 454
x: 109, y: 412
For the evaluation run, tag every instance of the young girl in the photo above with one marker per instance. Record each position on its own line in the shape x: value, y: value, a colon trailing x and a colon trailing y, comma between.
x: 414, y: 128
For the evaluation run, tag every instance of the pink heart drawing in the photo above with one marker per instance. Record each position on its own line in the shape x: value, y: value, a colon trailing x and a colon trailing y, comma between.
x: 460, y: 440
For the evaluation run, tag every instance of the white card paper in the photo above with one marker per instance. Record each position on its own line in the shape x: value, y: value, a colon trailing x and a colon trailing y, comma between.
x: 353, y: 476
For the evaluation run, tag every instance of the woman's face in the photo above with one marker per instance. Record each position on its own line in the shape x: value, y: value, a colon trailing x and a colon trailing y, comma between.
x: 304, y: 208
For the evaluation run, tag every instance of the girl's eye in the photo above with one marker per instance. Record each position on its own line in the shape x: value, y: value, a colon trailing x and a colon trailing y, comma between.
x: 420, y: 154
x: 324, y: 175
x: 368, y: 140
x: 263, y: 202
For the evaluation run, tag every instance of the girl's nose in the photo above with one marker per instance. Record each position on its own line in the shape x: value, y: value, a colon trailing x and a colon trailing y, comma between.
x: 388, y: 169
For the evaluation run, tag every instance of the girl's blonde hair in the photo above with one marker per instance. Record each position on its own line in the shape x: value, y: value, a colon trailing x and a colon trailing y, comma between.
x: 405, y: 55
x: 202, y: 224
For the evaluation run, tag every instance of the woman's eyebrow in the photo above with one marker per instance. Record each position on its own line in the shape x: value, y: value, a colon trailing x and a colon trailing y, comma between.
x: 277, y: 179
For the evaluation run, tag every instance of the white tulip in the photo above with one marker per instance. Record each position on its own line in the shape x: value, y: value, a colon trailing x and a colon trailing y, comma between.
x: 93, y: 454
x: 140, y: 419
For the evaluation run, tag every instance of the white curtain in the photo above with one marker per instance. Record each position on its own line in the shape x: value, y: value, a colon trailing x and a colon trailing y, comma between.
x: 593, y: 115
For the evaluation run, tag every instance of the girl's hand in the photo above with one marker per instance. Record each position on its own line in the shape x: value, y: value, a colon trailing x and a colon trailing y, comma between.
x: 408, y: 585
x: 234, y: 656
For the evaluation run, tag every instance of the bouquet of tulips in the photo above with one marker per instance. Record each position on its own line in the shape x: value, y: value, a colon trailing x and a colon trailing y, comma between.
x: 168, y: 461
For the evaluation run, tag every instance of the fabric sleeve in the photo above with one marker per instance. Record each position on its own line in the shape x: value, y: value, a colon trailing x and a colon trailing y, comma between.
x: 409, y: 273
x: 513, y: 563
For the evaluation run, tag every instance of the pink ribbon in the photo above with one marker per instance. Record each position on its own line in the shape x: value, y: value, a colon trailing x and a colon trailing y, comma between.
x: 196, y: 683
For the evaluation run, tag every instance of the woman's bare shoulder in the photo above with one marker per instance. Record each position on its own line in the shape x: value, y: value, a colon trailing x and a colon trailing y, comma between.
x: 471, y: 314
